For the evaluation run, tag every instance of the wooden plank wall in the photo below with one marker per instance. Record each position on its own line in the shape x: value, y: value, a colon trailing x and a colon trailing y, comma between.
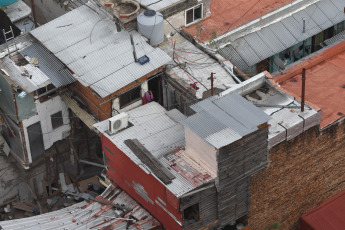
x: 207, y: 200
x: 236, y: 163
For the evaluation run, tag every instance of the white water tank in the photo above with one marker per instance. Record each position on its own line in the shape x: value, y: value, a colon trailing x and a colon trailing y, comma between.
x: 150, y: 25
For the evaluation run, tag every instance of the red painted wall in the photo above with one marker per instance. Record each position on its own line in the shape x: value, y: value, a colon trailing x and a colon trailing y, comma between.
x: 123, y: 171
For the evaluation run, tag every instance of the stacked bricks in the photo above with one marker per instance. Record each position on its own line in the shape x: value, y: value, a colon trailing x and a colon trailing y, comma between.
x: 302, y: 173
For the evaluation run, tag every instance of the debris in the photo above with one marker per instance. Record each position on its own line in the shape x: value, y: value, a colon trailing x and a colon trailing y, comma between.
x: 33, y: 61
x: 23, y: 206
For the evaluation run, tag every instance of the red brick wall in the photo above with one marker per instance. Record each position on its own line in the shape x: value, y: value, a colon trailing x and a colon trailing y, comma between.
x: 302, y: 174
x: 102, y: 106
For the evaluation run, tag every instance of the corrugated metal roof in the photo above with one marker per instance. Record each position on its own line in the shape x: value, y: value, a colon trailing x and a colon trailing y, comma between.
x: 15, y: 75
x: 272, y: 39
x: 223, y: 120
x: 91, y: 215
x: 160, y: 134
x: 52, y: 67
x: 98, y: 55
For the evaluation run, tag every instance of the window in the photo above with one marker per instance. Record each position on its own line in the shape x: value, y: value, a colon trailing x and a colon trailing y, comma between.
x: 130, y: 96
x: 45, y: 89
x: 191, y: 214
x: 56, y: 119
x: 193, y: 15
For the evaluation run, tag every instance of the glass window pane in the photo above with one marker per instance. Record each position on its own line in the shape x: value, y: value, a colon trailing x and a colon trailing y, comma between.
x: 189, y: 16
x: 197, y: 13
x: 57, y: 120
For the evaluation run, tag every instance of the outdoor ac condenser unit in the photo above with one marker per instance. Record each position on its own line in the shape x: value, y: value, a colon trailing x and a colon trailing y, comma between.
x: 118, y: 122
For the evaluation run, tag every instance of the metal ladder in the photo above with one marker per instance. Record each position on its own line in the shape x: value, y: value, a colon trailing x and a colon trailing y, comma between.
x: 9, y: 39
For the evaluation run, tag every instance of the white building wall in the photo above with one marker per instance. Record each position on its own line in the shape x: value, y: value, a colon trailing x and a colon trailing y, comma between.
x: 116, y: 101
x: 44, y: 112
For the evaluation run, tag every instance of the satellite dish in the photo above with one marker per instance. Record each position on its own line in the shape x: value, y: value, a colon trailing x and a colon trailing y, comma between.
x: 279, y: 63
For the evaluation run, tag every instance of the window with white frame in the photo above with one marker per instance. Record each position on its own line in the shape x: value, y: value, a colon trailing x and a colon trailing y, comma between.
x: 193, y: 15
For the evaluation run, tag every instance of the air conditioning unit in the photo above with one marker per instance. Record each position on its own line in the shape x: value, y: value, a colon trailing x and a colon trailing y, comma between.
x: 118, y: 123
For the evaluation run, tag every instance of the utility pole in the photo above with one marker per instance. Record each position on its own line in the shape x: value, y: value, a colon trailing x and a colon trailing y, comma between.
x: 212, y: 83
x: 303, y: 90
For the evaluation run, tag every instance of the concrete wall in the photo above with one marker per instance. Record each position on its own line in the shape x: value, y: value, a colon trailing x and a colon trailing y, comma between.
x: 302, y: 173
x: 201, y: 152
x: 45, y: 110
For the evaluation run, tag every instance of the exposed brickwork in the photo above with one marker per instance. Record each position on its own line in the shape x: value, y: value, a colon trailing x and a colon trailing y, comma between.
x: 102, y: 106
x: 302, y: 174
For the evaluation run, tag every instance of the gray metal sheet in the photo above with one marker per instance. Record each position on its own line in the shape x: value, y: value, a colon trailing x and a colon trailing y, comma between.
x: 246, y: 52
x: 283, y: 34
x: 159, y: 134
x: 334, y: 14
x: 295, y: 28
x: 63, y: 23
x: 229, y: 53
x: 224, y: 118
x: 311, y: 28
x: 203, y: 124
x: 261, y: 48
x: 52, y: 67
x: 246, y: 113
x: 318, y: 17
x: 271, y: 39
x: 98, y: 55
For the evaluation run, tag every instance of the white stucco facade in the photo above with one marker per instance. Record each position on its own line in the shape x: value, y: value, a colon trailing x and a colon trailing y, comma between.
x: 44, y: 112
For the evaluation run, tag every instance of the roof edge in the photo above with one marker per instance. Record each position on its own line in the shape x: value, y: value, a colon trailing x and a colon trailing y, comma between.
x: 310, y: 62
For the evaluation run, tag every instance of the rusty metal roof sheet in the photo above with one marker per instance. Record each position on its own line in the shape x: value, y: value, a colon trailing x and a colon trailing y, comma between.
x: 91, y: 215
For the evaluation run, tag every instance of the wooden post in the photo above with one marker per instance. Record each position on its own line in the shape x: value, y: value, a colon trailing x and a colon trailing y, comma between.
x: 48, y: 176
x: 211, y: 84
x: 34, y: 12
x: 303, y: 90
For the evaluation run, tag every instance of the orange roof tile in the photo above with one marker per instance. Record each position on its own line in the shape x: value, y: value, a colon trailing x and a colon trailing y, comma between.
x: 229, y: 14
x: 325, y: 82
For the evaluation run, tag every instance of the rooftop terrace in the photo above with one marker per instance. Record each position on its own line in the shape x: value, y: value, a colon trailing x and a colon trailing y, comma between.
x: 325, y: 82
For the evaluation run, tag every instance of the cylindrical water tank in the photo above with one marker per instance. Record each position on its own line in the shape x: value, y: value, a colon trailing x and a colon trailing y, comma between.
x: 150, y: 25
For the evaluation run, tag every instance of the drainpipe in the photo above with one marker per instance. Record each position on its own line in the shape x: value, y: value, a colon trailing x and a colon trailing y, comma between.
x: 232, y: 74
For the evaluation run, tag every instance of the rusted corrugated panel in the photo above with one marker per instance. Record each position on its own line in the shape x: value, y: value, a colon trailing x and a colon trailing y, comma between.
x: 93, y: 215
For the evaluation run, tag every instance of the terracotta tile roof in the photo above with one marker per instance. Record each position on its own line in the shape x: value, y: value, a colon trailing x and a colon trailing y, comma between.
x: 325, y: 82
x: 229, y: 14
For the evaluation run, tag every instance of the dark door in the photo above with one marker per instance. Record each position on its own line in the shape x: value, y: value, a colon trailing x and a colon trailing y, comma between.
x: 35, y: 140
x: 155, y: 87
